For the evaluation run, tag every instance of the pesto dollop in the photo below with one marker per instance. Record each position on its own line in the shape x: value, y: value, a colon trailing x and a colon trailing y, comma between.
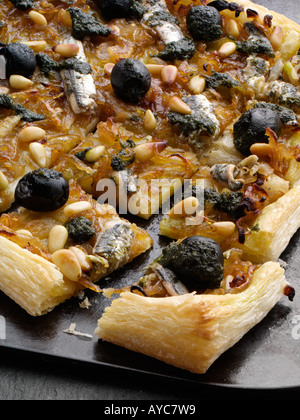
x: 25, y: 114
x: 84, y: 24
x: 226, y: 202
x: 178, y: 50
x: 217, y: 80
x: 80, y: 229
x: 47, y: 65
x: 257, y: 42
x: 123, y: 159
x: 22, y: 4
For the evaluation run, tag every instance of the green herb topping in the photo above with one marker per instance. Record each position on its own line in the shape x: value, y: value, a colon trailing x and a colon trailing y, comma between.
x: 86, y: 25
x: 22, y: 4
x: 217, y: 80
x: 80, y: 229
x: 26, y: 115
x: 178, y: 50
x: 123, y: 159
x: 257, y: 42
x: 47, y: 65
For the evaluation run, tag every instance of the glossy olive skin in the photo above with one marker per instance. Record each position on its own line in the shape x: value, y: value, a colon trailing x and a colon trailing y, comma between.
x: 197, y: 261
x: 251, y: 128
x: 20, y: 60
x: 42, y: 190
x: 204, y: 23
x: 113, y: 9
x: 130, y: 80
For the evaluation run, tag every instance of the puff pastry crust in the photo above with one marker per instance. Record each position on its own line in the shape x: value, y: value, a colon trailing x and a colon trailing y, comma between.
x: 31, y: 281
x: 191, y: 331
x: 277, y: 224
x: 286, y: 24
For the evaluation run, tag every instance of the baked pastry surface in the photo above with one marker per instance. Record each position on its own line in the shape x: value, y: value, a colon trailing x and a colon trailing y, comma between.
x: 191, y: 331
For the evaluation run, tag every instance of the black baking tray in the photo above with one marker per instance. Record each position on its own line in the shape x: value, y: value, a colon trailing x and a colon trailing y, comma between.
x: 268, y: 357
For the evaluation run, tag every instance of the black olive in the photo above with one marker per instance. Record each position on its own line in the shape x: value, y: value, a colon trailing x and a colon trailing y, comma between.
x: 42, y: 190
x: 251, y: 128
x: 130, y: 80
x: 197, y: 261
x: 113, y: 9
x: 19, y: 59
x: 204, y: 23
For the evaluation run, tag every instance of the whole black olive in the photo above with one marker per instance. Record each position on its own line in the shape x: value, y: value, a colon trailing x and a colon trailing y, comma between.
x: 251, y: 128
x: 19, y: 59
x: 113, y: 9
x: 42, y: 190
x: 204, y: 23
x: 130, y: 80
x: 197, y: 261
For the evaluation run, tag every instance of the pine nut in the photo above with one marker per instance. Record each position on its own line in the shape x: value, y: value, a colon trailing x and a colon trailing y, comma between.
x: 36, y: 46
x: 31, y: 133
x: 94, y: 154
x: 169, y: 74
x: 184, y: 208
x: 155, y: 69
x: 197, y: 84
x: 108, y: 68
x: 232, y: 28
x: 276, y: 38
x: 177, y: 105
x: 57, y: 239
x: 227, y: 49
x: 76, y: 208
x: 19, y: 82
x: 260, y: 149
x: 66, y: 18
x: 38, y: 18
x: 24, y: 232
x: 3, y: 181
x: 66, y: 50
x: 150, y: 122
x: 38, y: 152
x: 224, y: 228
x: 68, y: 264
x: 82, y: 258
x: 146, y: 151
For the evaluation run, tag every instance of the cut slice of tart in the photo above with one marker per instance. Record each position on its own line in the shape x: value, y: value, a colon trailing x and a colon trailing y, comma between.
x: 168, y: 317
x: 49, y: 256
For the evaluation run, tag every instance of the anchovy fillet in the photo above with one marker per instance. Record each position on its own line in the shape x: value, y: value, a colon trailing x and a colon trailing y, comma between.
x: 167, y: 30
x: 80, y: 88
x: 114, y: 244
x: 200, y: 105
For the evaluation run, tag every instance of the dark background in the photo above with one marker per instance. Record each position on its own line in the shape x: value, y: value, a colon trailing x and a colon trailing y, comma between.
x: 27, y: 376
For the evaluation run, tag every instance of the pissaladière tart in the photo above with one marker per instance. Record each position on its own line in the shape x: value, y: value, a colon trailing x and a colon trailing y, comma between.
x: 222, y: 277
x: 150, y: 95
